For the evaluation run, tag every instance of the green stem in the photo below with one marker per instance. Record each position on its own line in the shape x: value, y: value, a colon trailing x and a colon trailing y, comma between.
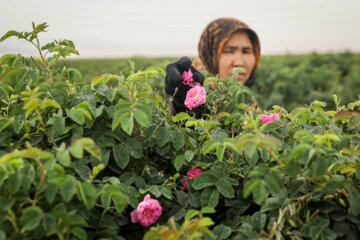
x: 42, y: 179
x: 12, y: 219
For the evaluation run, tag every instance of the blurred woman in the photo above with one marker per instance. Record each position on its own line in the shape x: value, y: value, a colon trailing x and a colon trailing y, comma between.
x: 225, y: 44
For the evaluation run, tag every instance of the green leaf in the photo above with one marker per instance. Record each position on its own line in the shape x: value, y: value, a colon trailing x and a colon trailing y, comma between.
x: 225, y: 188
x: 271, y: 126
x: 124, y: 110
x: 110, y: 94
x: 321, y: 167
x: 210, y: 146
x: 127, y: 123
x: 155, y: 191
x: 31, y: 217
x: 2, y: 235
x: 4, y: 123
x: 179, y: 161
x: 10, y: 33
x: 162, y: 136
x: 18, y: 124
x: 50, y: 192
x: 49, y: 222
x: 319, y: 221
x: 354, y: 200
x: 59, y: 125
x: 134, y: 147
x: 79, y: 232
x: 181, y: 117
x: 191, y: 214
x: 209, y: 197
x: 121, y: 156
x: 14, y: 183
x: 220, y: 149
x: 119, y: 202
x: 206, y: 210
x: 272, y: 183
x: 28, y: 176
x: 205, y: 179
x: 178, y: 139
x: 6, y: 203
x: 206, y: 221
x: 64, y: 156
x: 166, y: 193
x: 259, y: 221
x: 141, y: 117
x: 259, y: 194
x: 88, y: 194
x: 249, y: 148
x: 249, y: 187
x: 293, y: 168
x: 221, y: 231
x: 354, y: 122
x: 76, y: 115
x: 76, y: 150
x: 189, y: 155
x: 150, y: 131
x: 68, y: 188
x: 253, y: 159
x: 106, y: 200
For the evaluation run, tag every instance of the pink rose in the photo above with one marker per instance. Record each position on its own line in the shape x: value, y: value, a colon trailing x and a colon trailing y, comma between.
x: 184, y: 184
x: 245, y: 122
x: 187, y: 77
x: 194, y: 173
x: 195, y: 97
x: 269, y: 118
x: 147, y: 212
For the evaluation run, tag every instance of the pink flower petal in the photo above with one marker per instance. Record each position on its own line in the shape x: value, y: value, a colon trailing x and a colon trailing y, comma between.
x: 147, y: 211
x: 187, y: 77
x: 134, y: 216
x: 195, y: 97
x: 269, y: 118
x: 194, y: 173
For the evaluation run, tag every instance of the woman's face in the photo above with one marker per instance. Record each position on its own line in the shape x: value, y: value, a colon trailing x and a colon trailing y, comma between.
x: 237, y: 52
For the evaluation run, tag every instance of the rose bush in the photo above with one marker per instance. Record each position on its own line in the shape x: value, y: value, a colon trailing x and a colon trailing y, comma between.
x: 81, y: 162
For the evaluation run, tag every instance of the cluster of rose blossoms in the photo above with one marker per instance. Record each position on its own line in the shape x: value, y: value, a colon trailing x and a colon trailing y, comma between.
x: 196, y: 95
x: 149, y: 210
x: 194, y: 173
x: 269, y: 118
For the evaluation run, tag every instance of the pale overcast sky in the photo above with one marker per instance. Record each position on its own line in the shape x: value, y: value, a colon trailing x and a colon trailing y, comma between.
x: 117, y: 28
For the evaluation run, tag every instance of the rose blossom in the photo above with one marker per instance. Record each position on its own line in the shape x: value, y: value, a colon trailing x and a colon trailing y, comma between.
x: 195, y: 97
x: 269, y: 118
x: 184, y: 184
x: 147, y: 211
x: 187, y: 77
x: 194, y: 173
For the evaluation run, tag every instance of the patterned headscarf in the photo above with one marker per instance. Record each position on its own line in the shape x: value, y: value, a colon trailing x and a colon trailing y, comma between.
x: 213, y: 39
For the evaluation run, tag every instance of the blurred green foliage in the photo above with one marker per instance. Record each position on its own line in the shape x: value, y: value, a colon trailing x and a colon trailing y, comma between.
x: 287, y: 80
x: 295, y: 80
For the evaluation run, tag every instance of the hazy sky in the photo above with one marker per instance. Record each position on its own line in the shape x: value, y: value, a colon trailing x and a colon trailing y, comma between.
x: 116, y: 28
